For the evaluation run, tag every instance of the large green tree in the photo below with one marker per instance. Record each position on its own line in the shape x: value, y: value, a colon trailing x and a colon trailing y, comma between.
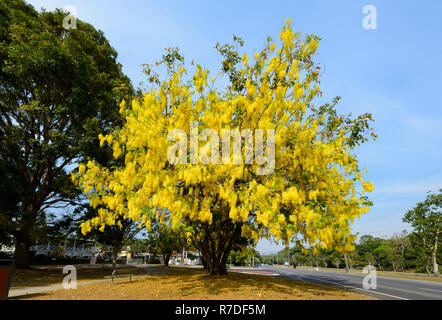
x: 58, y: 89
x: 371, y: 249
x: 426, y: 220
x: 244, y: 256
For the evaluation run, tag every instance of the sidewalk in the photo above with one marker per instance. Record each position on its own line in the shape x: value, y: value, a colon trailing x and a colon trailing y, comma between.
x: 14, y: 293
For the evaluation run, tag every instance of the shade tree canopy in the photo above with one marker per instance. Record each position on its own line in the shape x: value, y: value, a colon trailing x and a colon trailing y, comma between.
x: 58, y: 90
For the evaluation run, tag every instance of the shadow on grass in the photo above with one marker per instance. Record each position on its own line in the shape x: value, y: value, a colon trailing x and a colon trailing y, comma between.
x: 189, y: 283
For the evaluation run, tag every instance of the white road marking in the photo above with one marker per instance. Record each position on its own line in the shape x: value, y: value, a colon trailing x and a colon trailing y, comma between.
x: 256, y: 273
x: 431, y: 290
x: 427, y: 282
x: 371, y: 291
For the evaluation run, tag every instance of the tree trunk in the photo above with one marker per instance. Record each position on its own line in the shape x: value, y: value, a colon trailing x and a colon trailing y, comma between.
x: 346, y: 262
x: 435, y: 266
x: 215, y: 254
x: 217, y: 267
x: 23, y: 240
x: 21, y: 255
x: 203, y: 262
x: 166, y: 260
x: 216, y: 242
x: 378, y: 264
x: 434, y: 255
x: 22, y: 245
x: 114, y: 257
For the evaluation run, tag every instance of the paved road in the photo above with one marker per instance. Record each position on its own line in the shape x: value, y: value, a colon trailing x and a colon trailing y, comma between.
x: 387, y: 288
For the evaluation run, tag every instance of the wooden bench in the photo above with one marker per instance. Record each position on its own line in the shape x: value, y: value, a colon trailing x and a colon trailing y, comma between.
x: 120, y: 274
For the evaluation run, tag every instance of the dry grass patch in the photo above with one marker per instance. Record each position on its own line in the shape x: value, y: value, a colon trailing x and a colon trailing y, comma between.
x: 187, y: 283
x: 47, y: 275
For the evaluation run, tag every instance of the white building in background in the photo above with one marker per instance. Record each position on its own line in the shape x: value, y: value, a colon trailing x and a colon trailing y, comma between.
x: 6, y: 249
x: 71, y: 247
x: 184, y: 258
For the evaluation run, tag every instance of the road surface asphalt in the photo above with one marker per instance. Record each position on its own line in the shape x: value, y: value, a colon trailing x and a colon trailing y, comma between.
x: 386, y: 288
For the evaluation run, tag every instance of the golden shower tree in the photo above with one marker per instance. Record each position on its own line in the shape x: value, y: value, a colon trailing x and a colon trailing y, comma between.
x: 307, y: 189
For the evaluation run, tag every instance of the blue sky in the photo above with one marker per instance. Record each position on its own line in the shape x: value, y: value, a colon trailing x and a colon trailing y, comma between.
x: 394, y: 72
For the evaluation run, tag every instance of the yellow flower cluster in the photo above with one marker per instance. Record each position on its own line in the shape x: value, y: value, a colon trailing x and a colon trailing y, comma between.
x: 311, y: 192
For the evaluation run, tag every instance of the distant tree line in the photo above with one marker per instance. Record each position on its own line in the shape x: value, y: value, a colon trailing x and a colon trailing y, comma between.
x: 401, y: 252
x: 244, y: 257
x: 420, y: 250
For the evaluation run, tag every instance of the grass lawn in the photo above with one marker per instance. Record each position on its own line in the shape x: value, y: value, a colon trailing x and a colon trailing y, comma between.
x: 190, y: 283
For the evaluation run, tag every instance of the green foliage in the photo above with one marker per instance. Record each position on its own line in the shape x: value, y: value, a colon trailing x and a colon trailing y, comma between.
x: 112, y: 238
x: 138, y: 246
x: 164, y: 240
x: 244, y: 257
x: 401, y: 252
x: 59, y: 89
x: 426, y: 220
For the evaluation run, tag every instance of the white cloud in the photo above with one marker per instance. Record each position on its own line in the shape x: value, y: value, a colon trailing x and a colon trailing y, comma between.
x: 413, y: 187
